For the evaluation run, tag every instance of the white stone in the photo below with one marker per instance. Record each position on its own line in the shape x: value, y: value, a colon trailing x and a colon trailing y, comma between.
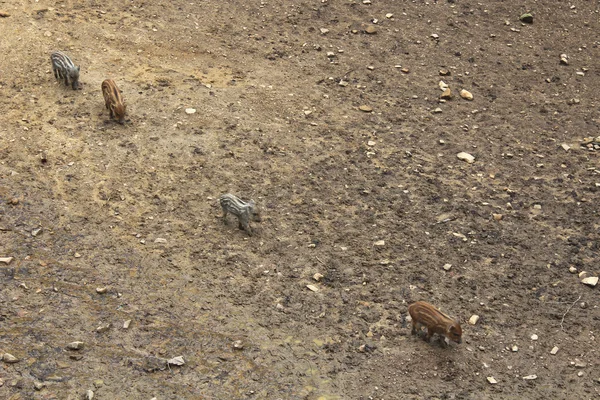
x: 75, y: 346
x: 9, y: 358
x: 312, y: 288
x: 447, y: 267
x: 554, y: 350
x: 466, y: 157
x: 590, y: 281
x: 530, y: 377
x: 473, y: 320
x: 379, y: 243
x: 6, y: 260
x: 492, y: 380
x: 324, y: 31
x: 465, y: 94
x: 565, y: 146
x: 126, y: 324
x: 534, y: 337
x: 190, y: 110
x: 177, y: 360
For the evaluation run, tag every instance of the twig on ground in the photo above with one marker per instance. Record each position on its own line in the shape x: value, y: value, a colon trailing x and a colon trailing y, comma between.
x: 566, y: 312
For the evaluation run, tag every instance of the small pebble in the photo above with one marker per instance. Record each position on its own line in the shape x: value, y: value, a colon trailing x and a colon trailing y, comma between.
x: 554, y: 350
x: 312, y: 288
x: 176, y: 361
x: 564, y: 59
x: 101, y: 290
x: 318, y: 276
x: 89, y: 395
x: 527, y: 18
x: 534, y: 337
x: 466, y: 157
x: 447, y: 94
x: 389, y: 15
x: 365, y: 108
x: 498, y: 217
x: 572, y: 269
x: 580, y: 364
x: 75, y: 345
x: 473, y: 320
x: 447, y: 267
x: 190, y: 110
x: 530, y: 377
x: 515, y: 348
x: 38, y: 385
x: 465, y: 94
x: 371, y: 30
x: 565, y: 146
x: 492, y: 380
x: 379, y: 243
x: 6, y: 260
x: 444, y: 72
x: 591, y: 281
x: 14, y: 201
x: 126, y: 324
x: 437, y: 110
x: 238, y: 345
x: 9, y: 358
x: 324, y: 31
x: 103, y: 328
x: 160, y: 240
x: 4, y: 14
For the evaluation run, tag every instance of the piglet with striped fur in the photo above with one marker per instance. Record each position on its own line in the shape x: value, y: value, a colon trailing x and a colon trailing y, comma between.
x: 113, y: 100
x: 64, y: 69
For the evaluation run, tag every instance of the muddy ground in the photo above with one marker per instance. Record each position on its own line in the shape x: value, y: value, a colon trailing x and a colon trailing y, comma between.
x: 377, y: 202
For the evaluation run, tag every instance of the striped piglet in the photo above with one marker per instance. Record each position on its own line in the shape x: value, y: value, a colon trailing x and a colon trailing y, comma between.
x: 113, y: 100
x: 244, y: 211
x: 64, y: 68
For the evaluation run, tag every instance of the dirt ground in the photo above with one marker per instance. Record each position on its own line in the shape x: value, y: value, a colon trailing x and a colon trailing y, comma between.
x: 109, y: 223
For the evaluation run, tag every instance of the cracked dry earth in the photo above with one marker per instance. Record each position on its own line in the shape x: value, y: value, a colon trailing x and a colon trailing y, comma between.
x: 375, y: 201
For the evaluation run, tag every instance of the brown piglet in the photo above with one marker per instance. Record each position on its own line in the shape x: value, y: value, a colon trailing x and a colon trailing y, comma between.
x: 424, y: 314
x: 113, y: 100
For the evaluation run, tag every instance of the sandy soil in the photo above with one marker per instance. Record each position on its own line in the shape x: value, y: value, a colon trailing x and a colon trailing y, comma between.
x: 377, y: 202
